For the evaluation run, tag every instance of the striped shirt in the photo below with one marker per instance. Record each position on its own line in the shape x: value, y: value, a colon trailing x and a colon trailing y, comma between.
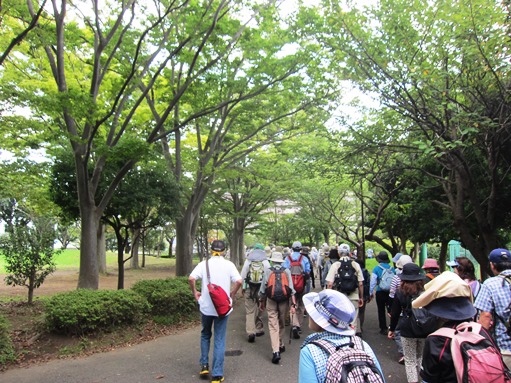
x: 394, y: 285
x: 495, y: 298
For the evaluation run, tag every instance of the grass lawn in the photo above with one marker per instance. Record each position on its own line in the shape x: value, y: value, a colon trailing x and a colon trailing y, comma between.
x: 69, y: 259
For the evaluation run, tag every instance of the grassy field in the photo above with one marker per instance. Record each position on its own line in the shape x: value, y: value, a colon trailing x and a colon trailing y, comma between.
x: 69, y: 259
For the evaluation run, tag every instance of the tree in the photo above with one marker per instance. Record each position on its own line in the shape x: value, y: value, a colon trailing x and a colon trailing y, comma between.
x: 440, y: 68
x: 125, y: 76
x: 27, y: 247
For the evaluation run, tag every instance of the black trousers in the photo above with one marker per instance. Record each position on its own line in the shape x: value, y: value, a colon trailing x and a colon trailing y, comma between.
x: 383, y: 303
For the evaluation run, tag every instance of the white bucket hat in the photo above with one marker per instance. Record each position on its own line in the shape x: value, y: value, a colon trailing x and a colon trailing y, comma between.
x: 331, y: 310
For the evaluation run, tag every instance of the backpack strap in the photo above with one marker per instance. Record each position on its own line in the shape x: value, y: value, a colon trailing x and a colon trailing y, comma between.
x: 329, y: 347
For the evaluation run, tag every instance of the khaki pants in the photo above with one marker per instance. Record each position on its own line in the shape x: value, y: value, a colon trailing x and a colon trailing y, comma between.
x: 253, y: 321
x: 276, y: 318
x: 297, y: 319
x: 353, y: 297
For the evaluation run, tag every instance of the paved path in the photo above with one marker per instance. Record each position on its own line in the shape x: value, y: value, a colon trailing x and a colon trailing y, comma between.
x: 174, y: 359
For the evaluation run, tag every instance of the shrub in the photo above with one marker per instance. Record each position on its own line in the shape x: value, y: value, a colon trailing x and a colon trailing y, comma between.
x: 171, y: 299
x: 7, y: 353
x: 83, y: 311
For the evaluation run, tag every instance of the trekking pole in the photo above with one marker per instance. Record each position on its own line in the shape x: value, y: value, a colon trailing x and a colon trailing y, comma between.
x: 291, y: 326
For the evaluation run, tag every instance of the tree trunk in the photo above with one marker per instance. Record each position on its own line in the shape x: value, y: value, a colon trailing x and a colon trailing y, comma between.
x: 30, y: 289
x: 89, y: 272
x: 238, y: 233
x: 101, y: 249
x: 135, y: 235
x: 121, y: 244
x: 185, y: 232
x: 444, y: 246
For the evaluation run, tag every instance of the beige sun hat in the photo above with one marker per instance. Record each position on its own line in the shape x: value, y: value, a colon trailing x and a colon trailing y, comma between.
x: 446, y: 285
x: 277, y: 257
x: 403, y: 260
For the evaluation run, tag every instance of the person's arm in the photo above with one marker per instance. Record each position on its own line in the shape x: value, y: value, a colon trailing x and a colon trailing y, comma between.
x: 360, y: 294
x: 330, y: 276
x: 191, y: 282
x: 306, y: 367
x: 486, y: 319
x: 372, y: 285
x: 484, y: 303
x: 236, y: 286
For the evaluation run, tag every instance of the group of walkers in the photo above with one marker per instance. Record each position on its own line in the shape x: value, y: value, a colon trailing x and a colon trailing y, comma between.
x: 426, y: 313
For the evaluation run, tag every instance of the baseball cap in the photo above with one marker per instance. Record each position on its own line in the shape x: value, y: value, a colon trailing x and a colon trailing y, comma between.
x: 218, y: 245
x: 499, y: 255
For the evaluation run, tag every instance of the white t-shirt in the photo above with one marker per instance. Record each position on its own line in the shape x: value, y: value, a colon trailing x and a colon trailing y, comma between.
x: 222, y: 273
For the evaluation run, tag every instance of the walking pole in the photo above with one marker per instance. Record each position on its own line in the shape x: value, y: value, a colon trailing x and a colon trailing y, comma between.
x: 291, y: 326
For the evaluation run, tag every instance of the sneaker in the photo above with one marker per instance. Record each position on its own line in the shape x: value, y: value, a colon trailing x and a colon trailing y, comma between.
x: 204, y: 370
x: 401, y: 360
x: 295, y: 333
x: 276, y: 358
x: 299, y: 330
x: 282, y: 349
x: 383, y: 332
x: 260, y: 333
x: 251, y: 338
x: 217, y: 379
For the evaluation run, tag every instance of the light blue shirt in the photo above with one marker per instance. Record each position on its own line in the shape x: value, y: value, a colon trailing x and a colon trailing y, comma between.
x: 295, y: 256
x: 376, y: 276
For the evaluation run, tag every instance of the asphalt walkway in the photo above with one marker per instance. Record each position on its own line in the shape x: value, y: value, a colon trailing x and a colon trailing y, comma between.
x: 175, y: 359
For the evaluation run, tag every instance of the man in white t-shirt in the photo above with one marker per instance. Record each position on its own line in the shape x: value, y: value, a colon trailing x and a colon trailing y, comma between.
x: 222, y: 273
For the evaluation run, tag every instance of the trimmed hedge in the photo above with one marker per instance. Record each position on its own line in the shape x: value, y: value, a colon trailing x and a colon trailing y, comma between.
x: 84, y: 311
x: 170, y: 298
x: 7, y: 353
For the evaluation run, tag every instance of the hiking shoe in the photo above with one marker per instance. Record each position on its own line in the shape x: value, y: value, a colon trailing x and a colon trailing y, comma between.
x: 260, y: 333
x: 276, y: 358
x: 251, y: 338
x: 217, y: 379
x: 204, y: 370
x: 282, y: 349
x: 295, y: 333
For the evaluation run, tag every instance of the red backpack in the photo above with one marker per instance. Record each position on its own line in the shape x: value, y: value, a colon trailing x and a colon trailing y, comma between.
x: 297, y: 274
x: 475, y: 355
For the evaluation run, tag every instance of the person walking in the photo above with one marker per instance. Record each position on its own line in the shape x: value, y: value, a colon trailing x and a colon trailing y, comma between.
x: 275, y: 299
x: 345, y: 276
x: 494, y: 301
x: 299, y: 267
x: 381, y: 279
x: 330, y: 315
x: 449, y: 298
x: 252, y: 273
x: 431, y: 268
x: 412, y: 285
x: 396, y: 282
x: 366, y: 285
x: 466, y: 270
x: 333, y: 256
x: 222, y: 273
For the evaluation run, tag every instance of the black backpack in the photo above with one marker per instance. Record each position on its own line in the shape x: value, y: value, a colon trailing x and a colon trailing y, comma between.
x: 346, y: 280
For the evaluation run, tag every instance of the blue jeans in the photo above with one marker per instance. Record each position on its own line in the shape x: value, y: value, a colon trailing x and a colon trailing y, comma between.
x: 220, y: 329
